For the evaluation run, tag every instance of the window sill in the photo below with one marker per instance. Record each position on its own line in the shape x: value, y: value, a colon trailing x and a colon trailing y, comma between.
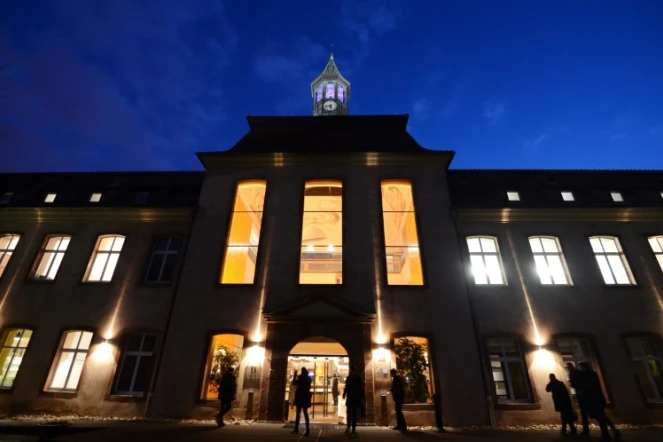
x: 418, y: 407
x: 213, y: 403
x: 621, y: 286
x: 39, y: 281
x: 155, y: 285
x: 517, y: 406
x: 9, y: 390
x: 59, y: 394
x: 125, y: 398
x: 97, y: 283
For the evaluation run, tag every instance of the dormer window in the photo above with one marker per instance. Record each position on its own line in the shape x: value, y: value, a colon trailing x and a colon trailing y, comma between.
x: 568, y: 196
x: 318, y: 94
x: 95, y: 197
x: 617, y: 197
x: 142, y: 197
x: 512, y: 195
x: 329, y: 91
x: 341, y: 94
x: 50, y: 197
x: 6, y: 197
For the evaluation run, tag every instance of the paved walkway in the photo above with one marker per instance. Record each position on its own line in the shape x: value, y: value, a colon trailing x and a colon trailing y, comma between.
x: 139, y: 432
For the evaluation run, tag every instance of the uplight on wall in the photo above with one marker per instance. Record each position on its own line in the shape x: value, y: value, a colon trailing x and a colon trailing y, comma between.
x: 255, y: 355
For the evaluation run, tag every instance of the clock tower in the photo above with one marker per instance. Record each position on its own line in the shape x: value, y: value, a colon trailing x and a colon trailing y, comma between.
x: 330, y: 91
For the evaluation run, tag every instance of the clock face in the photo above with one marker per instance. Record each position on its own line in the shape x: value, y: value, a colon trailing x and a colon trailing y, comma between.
x: 329, y: 105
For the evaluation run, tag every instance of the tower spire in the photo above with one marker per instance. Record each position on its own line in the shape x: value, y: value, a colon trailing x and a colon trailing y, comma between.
x: 330, y: 91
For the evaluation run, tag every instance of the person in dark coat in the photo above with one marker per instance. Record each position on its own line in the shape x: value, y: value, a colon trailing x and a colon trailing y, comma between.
x: 227, y: 392
x: 577, y: 381
x: 334, y: 389
x: 562, y: 401
x: 353, y: 394
x: 397, y: 390
x: 302, y: 399
x: 596, y: 402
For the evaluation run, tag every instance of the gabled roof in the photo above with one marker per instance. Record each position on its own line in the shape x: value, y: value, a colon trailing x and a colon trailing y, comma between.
x: 341, y: 133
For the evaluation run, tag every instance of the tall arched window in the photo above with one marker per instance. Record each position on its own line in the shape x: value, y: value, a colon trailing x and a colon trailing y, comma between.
x: 611, y: 260
x: 8, y: 242
x: 239, y: 261
x: 400, y: 234
x: 13, y: 352
x: 321, y: 259
x: 104, y: 258
x: 486, y: 261
x: 51, y: 256
x: 549, y: 260
x: 656, y: 244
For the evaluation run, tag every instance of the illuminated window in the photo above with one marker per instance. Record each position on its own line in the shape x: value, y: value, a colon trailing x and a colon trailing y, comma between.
x: 8, y: 242
x: 486, y: 261
x: 611, y: 260
x: 646, y: 358
x: 318, y: 94
x: 6, y: 197
x: 104, y: 258
x: 321, y: 259
x: 568, y: 196
x: 341, y: 94
x: 549, y: 260
x: 508, y: 369
x: 656, y: 243
x: 136, y: 364
x: 329, y: 91
x: 412, y: 358
x: 163, y: 259
x: 13, y: 351
x: 221, y: 346
x: 574, y: 351
x: 617, y: 197
x: 51, y: 257
x: 513, y: 196
x: 68, y: 365
x: 400, y: 234
x: 239, y: 262
x: 95, y: 197
x: 50, y: 197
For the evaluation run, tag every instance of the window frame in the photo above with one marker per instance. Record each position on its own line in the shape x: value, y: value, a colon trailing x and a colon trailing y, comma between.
x: 500, y: 260
x: 40, y: 256
x: 47, y: 389
x: 95, y: 252
x: 420, y: 245
x: 594, y: 358
x: 658, y: 256
x: 3, y: 252
x: 623, y: 259
x: 146, y: 269
x: 115, y: 379
x: 301, y: 230
x: 658, y: 346
x: 6, y: 198
x: 532, y: 399
x: 261, y: 238
x: 559, y: 253
x: 3, y: 335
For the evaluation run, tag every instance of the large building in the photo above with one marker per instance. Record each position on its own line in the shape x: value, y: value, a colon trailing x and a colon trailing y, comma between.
x: 326, y: 241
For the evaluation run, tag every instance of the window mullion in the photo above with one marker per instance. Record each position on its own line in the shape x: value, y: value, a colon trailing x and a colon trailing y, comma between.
x: 163, y: 265
x: 133, y: 375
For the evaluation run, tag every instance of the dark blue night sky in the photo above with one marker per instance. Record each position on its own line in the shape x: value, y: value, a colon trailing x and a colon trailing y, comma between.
x: 142, y: 85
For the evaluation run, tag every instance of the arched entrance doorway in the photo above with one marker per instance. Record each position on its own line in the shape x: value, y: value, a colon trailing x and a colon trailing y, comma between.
x: 328, y: 365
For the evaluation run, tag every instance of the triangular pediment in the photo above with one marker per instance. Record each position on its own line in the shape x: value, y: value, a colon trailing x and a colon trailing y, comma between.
x: 318, y: 308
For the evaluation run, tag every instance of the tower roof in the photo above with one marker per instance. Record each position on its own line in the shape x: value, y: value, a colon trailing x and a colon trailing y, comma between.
x: 331, y: 72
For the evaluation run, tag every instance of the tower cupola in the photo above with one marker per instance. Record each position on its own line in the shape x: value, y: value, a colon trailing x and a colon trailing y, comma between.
x: 330, y: 91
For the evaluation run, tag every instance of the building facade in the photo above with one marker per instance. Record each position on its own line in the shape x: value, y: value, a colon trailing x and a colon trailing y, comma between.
x: 321, y: 242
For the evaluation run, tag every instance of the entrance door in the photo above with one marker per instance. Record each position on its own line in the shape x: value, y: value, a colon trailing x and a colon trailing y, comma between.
x: 325, y: 371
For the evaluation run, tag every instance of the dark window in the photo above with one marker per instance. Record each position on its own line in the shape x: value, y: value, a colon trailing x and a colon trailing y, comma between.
x: 136, y: 364
x: 6, y: 197
x: 648, y: 366
x: 142, y: 197
x: 574, y: 351
x: 508, y: 368
x: 162, y: 260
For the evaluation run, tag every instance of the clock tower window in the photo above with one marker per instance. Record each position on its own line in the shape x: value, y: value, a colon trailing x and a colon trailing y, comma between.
x: 318, y: 94
x: 340, y: 94
x: 329, y: 91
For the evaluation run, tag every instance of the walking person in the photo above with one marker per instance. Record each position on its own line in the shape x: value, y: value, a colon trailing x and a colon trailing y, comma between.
x: 562, y: 400
x: 302, y: 399
x: 353, y: 394
x: 596, y: 402
x: 334, y: 389
x: 577, y: 380
x: 227, y: 392
x: 397, y: 390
